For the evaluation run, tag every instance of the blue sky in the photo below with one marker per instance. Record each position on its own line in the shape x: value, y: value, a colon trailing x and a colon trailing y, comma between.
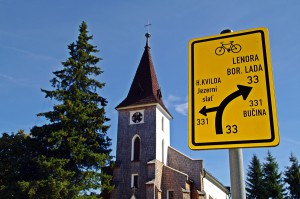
x: 34, y: 36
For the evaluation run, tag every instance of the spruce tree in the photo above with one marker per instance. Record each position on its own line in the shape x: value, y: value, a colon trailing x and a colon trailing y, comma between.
x: 254, y: 182
x: 292, y: 178
x: 74, y: 144
x: 273, y: 182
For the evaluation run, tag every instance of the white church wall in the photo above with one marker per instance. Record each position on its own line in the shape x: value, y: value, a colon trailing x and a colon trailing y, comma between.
x: 212, y: 191
x: 162, y: 136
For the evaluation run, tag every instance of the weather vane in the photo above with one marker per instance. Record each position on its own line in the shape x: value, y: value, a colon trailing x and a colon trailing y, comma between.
x: 148, y: 26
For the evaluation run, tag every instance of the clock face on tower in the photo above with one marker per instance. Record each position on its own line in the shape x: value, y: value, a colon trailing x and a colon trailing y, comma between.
x: 137, y: 117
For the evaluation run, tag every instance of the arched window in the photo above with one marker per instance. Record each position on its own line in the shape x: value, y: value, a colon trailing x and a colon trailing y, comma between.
x: 136, y: 148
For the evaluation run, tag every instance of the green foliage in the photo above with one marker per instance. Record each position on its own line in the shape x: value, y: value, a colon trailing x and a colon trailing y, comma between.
x: 74, y: 145
x: 267, y: 179
x: 17, y: 153
x: 292, y: 178
x: 63, y: 159
x: 273, y: 182
x: 254, y: 183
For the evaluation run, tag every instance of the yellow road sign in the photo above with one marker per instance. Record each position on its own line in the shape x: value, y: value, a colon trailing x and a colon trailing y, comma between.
x: 231, y: 91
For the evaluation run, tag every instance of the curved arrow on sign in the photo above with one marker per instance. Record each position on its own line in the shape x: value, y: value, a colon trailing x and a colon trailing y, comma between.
x: 242, y: 91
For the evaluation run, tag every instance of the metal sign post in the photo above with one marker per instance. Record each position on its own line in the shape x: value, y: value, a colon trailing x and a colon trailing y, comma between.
x: 236, y: 164
x: 237, y: 174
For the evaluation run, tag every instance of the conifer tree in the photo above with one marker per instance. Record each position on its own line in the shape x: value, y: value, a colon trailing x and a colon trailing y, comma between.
x: 292, y: 178
x: 273, y: 182
x: 74, y: 144
x: 254, y: 182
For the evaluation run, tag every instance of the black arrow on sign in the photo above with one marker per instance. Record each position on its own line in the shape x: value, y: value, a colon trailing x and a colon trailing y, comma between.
x: 242, y: 91
x: 205, y: 110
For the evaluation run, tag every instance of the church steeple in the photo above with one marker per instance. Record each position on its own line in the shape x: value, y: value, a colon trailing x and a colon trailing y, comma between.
x: 143, y: 136
x: 144, y: 156
x: 144, y: 88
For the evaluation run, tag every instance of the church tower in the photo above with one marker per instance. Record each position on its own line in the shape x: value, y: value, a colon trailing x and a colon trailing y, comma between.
x: 146, y: 166
x: 143, y: 133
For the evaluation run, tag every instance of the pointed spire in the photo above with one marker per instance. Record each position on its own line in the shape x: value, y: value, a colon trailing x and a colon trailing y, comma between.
x: 144, y: 88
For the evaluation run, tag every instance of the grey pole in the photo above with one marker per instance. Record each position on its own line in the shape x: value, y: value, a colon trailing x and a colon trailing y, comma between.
x: 236, y: 166
x: 237, y: 174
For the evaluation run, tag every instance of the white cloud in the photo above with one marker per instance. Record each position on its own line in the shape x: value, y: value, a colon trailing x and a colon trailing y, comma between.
x: 182, y: 108
x: 173, y: 98
x: 291, y: 141
x: 33, y: 55
x: 179, y: 104
x: 170, y: 100
x: 8, y: 78
x: 30, y: 54
x: 19, y: 82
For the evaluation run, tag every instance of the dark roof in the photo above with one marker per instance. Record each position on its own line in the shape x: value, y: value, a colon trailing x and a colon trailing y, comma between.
x: 144, y: 88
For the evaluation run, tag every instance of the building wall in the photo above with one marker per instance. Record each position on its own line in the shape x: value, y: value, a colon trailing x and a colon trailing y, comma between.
x: 162, y: 134
x: 213, y: 191
x: 173, y: 180
x: 193, y: 168
x: 183, y: 175
x: 158, y: 174
x: 126, y: 131
x: 149, y: 192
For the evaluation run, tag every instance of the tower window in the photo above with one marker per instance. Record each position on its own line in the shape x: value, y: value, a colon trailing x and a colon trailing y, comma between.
x: 170, y: 195
x: 134, y: 180
x: 136, y: 148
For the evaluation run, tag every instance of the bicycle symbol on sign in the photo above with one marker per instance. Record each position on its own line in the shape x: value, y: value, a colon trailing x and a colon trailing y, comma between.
x: 235, y: 48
